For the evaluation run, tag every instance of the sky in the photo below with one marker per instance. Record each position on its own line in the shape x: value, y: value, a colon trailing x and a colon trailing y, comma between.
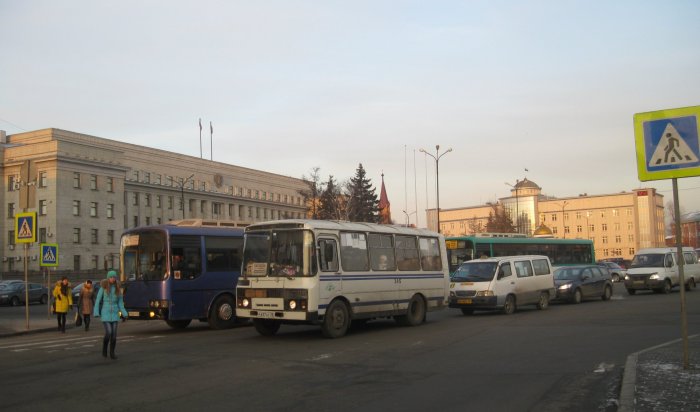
x: 550, y: 87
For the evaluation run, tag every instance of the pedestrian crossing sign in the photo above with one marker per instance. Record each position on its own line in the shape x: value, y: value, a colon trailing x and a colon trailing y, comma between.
x: 25, y: 227
x: 49, y: 254
x: 667, y: 143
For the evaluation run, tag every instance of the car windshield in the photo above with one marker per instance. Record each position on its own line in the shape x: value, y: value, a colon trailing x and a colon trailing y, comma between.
x: 474, y: 272
x: 651, y: 260
x: 287, y: 253
x: 567, y: 273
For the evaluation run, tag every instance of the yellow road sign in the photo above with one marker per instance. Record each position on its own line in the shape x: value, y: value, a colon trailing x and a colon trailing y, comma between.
x: 667, y: 143
x: 25, y: 227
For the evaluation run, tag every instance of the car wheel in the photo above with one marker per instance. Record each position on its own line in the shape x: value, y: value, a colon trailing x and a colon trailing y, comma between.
x: 510, y: 306
x: 543, y: 301
x: 223, y: 314
x: 690, y: 285
x: 337, y: 320
x: 466, y: 311
x: 415, y: 313
x: 43, y: 299
x: 14, y: 301
x: 607, y: 293
x: 577, y: 296
x: 267, y: 327
x: 667, y: 287
x: 178, y: 324
x: 631, y: 291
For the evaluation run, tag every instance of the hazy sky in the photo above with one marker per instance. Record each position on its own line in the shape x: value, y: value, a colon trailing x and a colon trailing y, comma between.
x: 551, y: 86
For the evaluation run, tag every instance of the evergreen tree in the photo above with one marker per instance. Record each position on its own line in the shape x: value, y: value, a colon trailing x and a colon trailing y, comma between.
x: 499, y: 221
x: 329, y: 209
x: 363, y: 202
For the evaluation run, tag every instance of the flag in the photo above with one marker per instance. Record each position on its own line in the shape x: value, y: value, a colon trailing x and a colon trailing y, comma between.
x: 211, y: 128
x: 526, y: 170
x: 200, y: 124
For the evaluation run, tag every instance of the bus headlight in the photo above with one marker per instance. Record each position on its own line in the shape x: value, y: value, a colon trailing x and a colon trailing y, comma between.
x: 654, y: 277
x: 452, y: 294
x: 484, y: 293
x: 245, y: 302
x: 292, y: 304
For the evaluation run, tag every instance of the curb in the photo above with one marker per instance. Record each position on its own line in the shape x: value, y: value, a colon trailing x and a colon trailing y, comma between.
x: 629, y: 378
x: 31, y: 331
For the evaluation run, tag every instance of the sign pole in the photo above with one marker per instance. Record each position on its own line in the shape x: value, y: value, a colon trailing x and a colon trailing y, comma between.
x: 48, y: 288
x: 681, y: 274
x: 26, y: 284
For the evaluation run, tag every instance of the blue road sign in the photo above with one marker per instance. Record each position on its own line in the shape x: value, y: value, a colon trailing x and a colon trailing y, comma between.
x: 49, y: 254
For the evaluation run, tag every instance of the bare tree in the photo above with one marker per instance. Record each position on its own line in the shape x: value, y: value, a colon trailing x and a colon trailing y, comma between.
x: 312, y: 194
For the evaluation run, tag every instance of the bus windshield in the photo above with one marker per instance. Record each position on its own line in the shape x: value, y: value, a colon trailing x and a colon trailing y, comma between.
x: 284, y: 253
x: 144, y: 255
x: 649, y: 260
x: 474, y: 272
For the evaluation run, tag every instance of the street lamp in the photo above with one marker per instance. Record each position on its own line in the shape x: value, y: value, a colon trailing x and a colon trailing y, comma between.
x: 563, y: 206
x: 408, y: 217
x: 182, y: 193
x: 437, y: 157
x: 517, y: 213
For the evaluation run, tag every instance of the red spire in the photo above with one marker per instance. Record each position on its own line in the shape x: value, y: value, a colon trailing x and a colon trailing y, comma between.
x: 384, y: 205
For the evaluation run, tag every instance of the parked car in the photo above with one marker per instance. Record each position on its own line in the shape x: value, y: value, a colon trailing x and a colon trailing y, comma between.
x: 576, y: 283
x: 13, y: 293
x: 76, y: 291
x: 657, y: 269
x: 617, y: 272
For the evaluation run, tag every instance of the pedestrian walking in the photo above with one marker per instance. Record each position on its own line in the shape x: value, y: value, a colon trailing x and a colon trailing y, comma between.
x: 109, y: 307
x: 86, y: 303
x: 62, y: 301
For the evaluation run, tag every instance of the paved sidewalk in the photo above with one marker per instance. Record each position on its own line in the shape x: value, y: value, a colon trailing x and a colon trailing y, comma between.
x: 13, y: 327
x: 655, y: 381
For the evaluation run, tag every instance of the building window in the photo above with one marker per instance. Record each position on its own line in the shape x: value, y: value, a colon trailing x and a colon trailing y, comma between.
x: 12, y: 183
x: 579, y: 229
x: 578, y: 215
x: 630, y: 238
x: 147, y: 177
x: 42, y: 207
x: 604, y: 227
x: 95, y: 262
x: 170, y: 202
x: 147, y: 198
x: 43, y: 179
x: 76, y: 235
x: 618, y: 239
x: 136, y: 199
x: 10, y: 210
x: 93, y: 182
x: 629, y: 212
x: 148, y: 220
x: 605, y: 239
x: 76, y: 208
x: 631, y: 251
x: 602, y: 213
x: 617, y: 227
x: 257, y: 194
x: 216, y: 208
x: 42, y: 235
x: 94, y: 239
x: 566, y: 216
x: 566, y: 229
x: 136, y: 221
x: 615, y: 212
x: 629, y: 226
x: 554, y: 217
x: 250, y: 212
x: 158, y: 221
x: 110, y: 211
x: 591, y: 228
x: 10, y: 237
x: 110, y: 184
x: 76, y: 180
x: 169, y: 180
x: 203, y: 206
x: 158, y: 201
x: 158, y: 179
x: 76, y: 262
x: 136, y: 175
x: 110, y: 237
x: 93, y: 209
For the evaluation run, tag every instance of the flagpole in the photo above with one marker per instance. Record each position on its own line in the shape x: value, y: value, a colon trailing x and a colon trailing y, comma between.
x: 200, y: 138
x: 211, y: 141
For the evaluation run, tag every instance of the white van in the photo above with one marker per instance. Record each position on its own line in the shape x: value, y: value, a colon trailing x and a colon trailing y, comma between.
x: 657, y: 269
x: 503, y: 283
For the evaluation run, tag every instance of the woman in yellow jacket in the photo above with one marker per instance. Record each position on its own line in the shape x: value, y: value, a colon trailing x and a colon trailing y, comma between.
x: 63, y: 301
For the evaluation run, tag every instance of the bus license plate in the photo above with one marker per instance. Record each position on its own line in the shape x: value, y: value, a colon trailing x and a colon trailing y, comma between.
x: 134, y: 314
x: 464, y: 301
x: 262, y: 314
x: 638, y: 282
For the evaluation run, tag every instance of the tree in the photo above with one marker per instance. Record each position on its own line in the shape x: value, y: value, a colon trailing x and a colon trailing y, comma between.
x: 330, y: 202
x: 311, y: 195
x: 363, y: 202
x: 475, y: 226
x: 499, y: 221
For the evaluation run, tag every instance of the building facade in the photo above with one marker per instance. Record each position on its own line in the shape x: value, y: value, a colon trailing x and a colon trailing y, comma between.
x: 86, y: 190
x: 619, y: 224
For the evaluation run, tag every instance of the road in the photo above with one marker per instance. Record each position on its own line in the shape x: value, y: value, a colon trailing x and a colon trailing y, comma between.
x: 568, y: 357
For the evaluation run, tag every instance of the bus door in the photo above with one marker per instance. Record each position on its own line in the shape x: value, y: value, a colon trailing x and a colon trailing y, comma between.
x: 330, y: 279
x: 187, y: 281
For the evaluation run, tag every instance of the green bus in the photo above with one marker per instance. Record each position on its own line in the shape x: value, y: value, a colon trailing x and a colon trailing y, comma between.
x: 561, y: 252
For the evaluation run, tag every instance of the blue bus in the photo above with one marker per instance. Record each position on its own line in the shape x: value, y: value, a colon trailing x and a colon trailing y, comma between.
x: 561, y: 252
x: 181, y: 271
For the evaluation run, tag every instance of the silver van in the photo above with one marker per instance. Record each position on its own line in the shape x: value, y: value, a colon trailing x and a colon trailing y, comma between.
x: 502, y: 283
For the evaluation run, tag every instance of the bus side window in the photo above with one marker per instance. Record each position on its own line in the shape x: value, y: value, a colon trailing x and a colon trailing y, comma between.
x: 430, y: 254
x: 504, y: 271
x: 328, y: 255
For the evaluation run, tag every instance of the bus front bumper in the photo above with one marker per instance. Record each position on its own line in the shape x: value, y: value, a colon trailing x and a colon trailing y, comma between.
x: 282, y: 315
x: 474, y: 302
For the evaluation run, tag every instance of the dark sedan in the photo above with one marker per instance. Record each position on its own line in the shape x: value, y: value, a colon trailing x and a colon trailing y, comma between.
x: 617, y: 272
x: 576, y: 283
x: 13, y: 293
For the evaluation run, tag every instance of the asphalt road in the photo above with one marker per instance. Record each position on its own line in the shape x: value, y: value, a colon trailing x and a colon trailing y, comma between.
x: 565, y: 358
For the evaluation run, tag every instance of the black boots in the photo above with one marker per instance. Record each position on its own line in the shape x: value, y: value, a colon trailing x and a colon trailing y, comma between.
x: 112, y: 345
x: 105, y: 342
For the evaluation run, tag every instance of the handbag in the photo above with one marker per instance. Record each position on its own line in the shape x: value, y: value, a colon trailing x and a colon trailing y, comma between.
x: 78, y: 318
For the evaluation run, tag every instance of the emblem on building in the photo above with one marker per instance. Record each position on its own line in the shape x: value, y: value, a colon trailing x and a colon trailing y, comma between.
x: 218, y: 180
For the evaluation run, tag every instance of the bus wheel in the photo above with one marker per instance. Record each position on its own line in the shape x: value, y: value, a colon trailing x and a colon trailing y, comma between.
x: 266, y: 327
x: 222, y: 314
x: 510, y: 306
x: 415, y: 313
x: 543, y: 301
x: 336, y: 321
x: 178, y: 324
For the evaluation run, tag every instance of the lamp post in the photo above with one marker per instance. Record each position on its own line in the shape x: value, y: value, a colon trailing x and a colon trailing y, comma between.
x: 437, y: 157
x: 563, y: 206
x: 517, y: 212
x: 408, y: 217
x: 182, y: 193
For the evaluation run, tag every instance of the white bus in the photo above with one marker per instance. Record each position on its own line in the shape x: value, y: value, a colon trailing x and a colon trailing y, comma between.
x: 331, y: 273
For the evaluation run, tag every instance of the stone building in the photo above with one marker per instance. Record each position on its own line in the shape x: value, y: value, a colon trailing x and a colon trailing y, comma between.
x: 87, y: 190
x: 618, y: 223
